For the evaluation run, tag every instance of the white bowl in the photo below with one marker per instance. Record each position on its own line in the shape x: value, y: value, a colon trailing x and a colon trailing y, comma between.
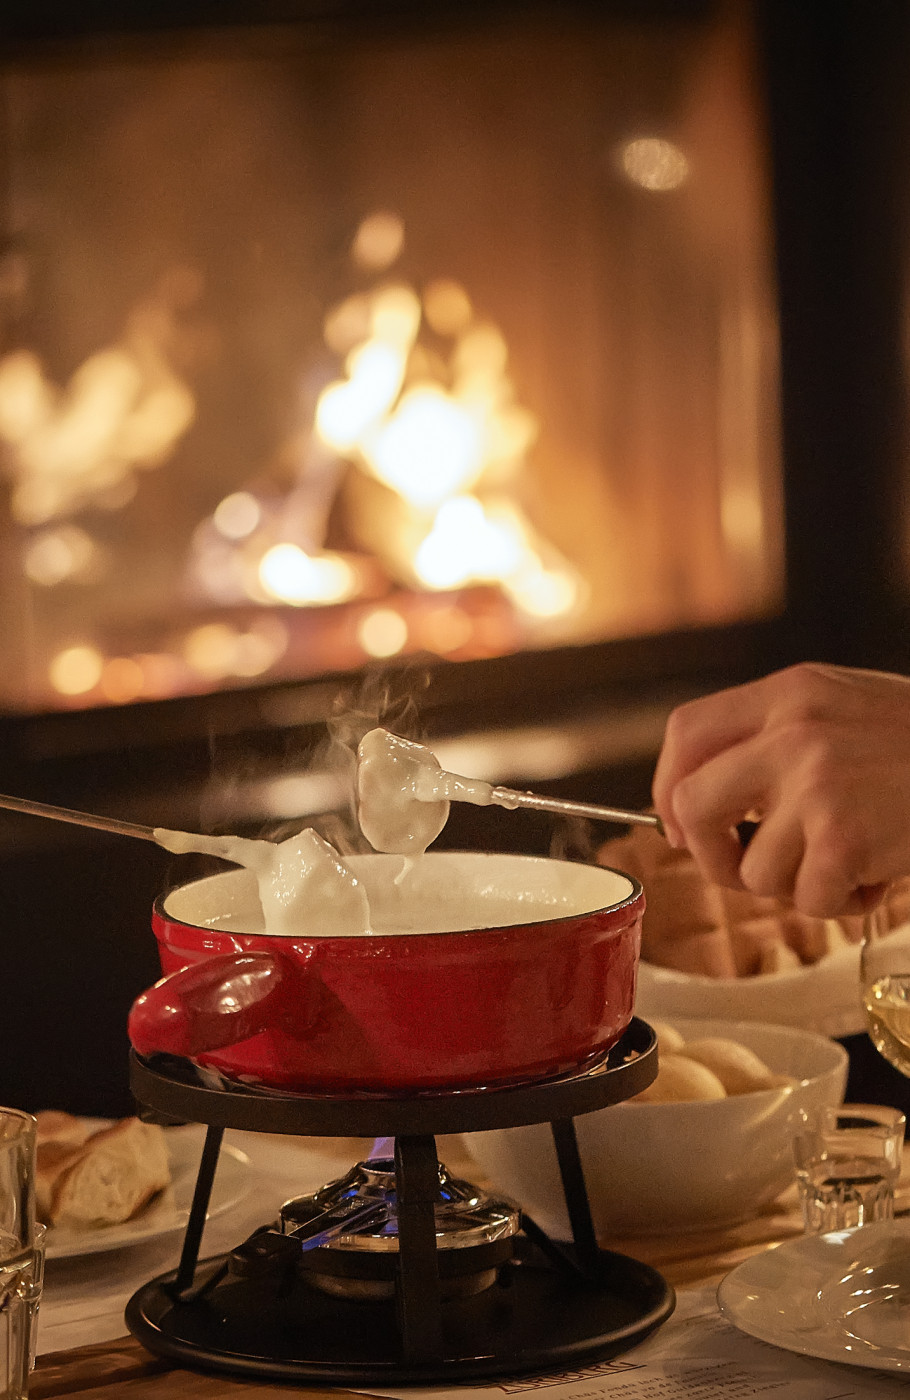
x: 655, y: 1167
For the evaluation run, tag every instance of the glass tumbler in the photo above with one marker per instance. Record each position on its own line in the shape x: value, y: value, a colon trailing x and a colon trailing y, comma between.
x: 848, y: 1160
x: 21, y: 1253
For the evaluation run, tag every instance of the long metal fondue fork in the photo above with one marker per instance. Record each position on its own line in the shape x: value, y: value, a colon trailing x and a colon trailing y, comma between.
x: 511, y: 798
x: 66, y: 814
x: 502, y: 796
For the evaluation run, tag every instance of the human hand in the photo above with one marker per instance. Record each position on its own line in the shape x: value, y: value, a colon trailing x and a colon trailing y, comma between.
x: 820, y: 755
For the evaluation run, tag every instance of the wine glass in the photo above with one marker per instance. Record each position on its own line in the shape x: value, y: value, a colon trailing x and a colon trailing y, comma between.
x: 885, y: 980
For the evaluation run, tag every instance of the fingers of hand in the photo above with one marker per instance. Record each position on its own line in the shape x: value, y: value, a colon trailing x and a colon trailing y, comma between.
x: 799, y: 853
x: 774, y: 856
x: 804, y: 697
x: 708, y: 804
x: 695, y: 734
x: 718, y: 853
x: 829, y: 879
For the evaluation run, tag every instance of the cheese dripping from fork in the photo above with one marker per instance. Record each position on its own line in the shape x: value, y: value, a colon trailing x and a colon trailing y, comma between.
x: 403, y: 793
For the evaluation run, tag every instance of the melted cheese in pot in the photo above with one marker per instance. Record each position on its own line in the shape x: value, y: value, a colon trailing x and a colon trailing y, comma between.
x: 303, y: 885
x: 403, y: 797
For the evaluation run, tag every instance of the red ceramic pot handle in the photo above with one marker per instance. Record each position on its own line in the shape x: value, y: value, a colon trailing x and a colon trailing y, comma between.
x: 211, y: 1004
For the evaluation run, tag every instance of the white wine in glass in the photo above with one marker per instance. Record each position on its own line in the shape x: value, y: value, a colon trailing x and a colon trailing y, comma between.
x: 885, y: 976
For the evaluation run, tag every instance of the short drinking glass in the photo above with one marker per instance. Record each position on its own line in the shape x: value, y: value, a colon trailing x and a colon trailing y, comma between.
x: 848, y: 1160
x: 21, y: 1253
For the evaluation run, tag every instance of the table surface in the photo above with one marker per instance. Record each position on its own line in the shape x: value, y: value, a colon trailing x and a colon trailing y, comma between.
x: 121, y: 1366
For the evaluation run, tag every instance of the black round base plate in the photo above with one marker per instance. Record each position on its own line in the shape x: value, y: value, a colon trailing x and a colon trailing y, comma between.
x: 545, y: 1320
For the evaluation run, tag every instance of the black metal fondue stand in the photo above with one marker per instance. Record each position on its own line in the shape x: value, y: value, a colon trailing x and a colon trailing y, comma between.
x: 410, y: 1315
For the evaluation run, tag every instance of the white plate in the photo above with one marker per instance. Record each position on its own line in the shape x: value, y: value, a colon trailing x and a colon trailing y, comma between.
x: 840, y: 1297
x: 170, y: 1210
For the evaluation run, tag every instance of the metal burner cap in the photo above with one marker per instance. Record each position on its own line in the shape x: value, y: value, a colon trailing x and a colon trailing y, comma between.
x: 360, y: 1212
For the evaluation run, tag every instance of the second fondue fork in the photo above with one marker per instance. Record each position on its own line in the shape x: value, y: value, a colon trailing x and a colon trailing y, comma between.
x: 512, y: 798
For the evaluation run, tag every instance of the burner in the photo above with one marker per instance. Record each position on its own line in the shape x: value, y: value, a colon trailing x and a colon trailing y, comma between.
x: 348, y: 1232
x: 399, y: 1273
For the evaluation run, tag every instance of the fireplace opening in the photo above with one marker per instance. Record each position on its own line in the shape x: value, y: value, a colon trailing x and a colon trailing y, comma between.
x: 324, y: 349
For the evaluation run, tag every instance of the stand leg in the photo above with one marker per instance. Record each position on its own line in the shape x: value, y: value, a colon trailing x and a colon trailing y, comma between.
x: 193, y: 1238
x: 576, y: 1194
x: 417, y: 1280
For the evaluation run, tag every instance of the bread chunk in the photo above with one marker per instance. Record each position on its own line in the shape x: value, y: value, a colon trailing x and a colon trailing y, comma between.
x: 739, y: 1069
x: 681, y: 1080
x: 59, y: 1127
x: 106, y: 1181
x: 669, y: 1040
x: 52, y: 1160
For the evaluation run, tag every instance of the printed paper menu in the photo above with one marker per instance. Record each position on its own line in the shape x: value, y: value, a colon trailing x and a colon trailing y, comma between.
x: 696, y: 1355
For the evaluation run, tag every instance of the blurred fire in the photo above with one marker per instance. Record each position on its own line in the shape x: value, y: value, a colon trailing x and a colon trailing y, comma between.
x: 423, y: 409
x: 436, y: 422
x: 123, y: 411
x: 415, y: 443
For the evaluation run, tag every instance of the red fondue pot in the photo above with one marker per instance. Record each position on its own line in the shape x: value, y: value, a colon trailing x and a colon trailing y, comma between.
x: 540, y: 981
